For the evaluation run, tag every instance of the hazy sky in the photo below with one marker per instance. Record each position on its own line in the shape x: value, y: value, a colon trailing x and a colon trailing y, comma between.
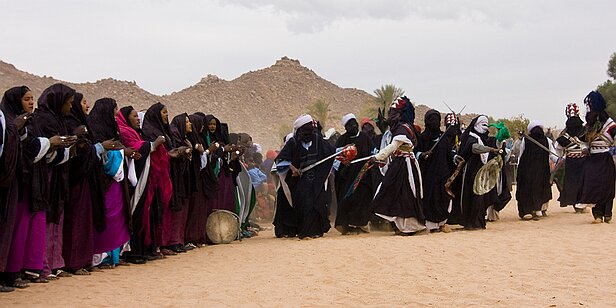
x: 498, y: 57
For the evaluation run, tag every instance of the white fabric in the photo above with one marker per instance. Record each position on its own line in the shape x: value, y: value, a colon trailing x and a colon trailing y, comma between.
x: 132, y: 174
x: 534, y: 124
x: 301, y: 121
x: 481, y: 126
x: 141, y: 184
x: 140, y: 115
x: 348, y: 117
x: 483, y: 156
x: 288, y: 137
x: 3, y: 121
x: 329, y: 133
x: 203, y: 161
x: 45, y: 145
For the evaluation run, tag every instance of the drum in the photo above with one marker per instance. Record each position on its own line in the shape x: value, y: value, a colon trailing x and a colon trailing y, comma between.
x: 222, y: 227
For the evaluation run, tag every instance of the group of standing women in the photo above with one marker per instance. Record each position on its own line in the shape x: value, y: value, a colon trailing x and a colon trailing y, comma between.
x: 84, y: 190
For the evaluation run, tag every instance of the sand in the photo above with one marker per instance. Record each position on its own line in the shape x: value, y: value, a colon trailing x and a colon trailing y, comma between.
x: 560, y: 261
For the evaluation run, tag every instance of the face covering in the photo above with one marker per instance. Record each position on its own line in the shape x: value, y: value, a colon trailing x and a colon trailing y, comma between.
x: 481, y: 126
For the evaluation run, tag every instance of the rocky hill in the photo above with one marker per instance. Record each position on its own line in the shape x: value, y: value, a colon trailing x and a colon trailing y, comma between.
x: 258, y: 102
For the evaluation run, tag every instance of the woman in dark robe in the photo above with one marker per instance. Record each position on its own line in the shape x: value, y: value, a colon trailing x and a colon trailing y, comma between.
x: 572, y: 144
x: 182, y: 178
x: 475, y: 148
x: 224, y: 166
x: 160, y: 187
x: 48, y: 120
x: 103, y: 125
x: 436, y: 164
x: 598, y: 176
x: 143, y: 220
x: 84, y: 214
x: 534, y: 189
x: 206, y: 184
x: 353, y: 211
x: 307, y: 189
x: 15, y: 141
x: 399, y: 197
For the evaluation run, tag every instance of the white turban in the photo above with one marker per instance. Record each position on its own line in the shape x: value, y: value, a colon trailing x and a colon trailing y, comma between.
x: 302, y: 120
x: 481, y: 126
x: 348, y: 117
x: 534, y: 124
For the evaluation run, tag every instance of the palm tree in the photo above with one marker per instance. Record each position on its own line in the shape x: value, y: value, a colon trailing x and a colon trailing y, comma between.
x: 386, y: 94
x: 320, y: 111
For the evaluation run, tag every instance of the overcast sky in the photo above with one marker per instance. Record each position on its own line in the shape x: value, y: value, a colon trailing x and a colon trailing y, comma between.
x: 497, y: 57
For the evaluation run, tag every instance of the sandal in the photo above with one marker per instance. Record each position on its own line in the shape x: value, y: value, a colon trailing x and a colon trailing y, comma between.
x: 35, y: 277
x: 105, y: 266
x: 6, y: 289
x: 62, y: 274
x: 18, y: 284
x: 81, y: 272
x: 94, y: 269
x: 50, y: 277
x: 123, y: 263
x: 167, y: 252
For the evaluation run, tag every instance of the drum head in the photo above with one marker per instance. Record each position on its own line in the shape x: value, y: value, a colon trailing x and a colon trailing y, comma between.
x: 222, y: 227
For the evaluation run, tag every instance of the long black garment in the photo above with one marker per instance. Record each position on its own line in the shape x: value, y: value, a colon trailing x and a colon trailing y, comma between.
x: 473, y: 207
x: 574, y: 161
x: 395, y: 197
x: 51, y: 176
x: 9, y: 187
x: 182, y: 175
x: 533, y: 178
x: 308, y: 190
x: 435, y: 170
x: 354, y: 210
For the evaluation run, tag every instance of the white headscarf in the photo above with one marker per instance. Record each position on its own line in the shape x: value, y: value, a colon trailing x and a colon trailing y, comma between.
x: 533, y: 124
x: 301, y: 121
x: 481, y: 126
x: 141, y: 115
x: 348, y: 117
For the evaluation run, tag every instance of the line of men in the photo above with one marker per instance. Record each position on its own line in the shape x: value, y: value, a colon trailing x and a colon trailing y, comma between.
x: 413, y: 180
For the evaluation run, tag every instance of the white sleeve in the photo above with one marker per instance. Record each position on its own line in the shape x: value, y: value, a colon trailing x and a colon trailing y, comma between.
x: 522, y: 146
x: 553, y: 157
x: 45, y: 145
x: 388, y: 150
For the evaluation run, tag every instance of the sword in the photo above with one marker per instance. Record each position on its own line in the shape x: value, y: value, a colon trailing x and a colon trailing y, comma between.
x: 320, y: 161
x: 541, y: 146
x: 362, y: 159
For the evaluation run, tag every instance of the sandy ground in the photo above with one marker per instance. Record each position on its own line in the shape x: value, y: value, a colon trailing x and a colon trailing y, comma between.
x: 560, y: 261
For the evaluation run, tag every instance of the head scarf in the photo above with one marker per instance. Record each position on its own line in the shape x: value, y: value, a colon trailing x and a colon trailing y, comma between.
x: 129, y: 136
x: 365, y: 121
x: 401, y: 111
x: 77, y: 117
x: 271, y: 154
x: 301, y: 121
x: 594, y: 101
x: 348, y: 117
x: 217, y: 135
x: 534, y: 124
x: 481, y: 125
x: 471, y: 128
x: 198, y: 125
x: 11, y: 102
x: 178, y: 130
x: 153, y: 125
x: 48, y: 118
x: 432, y: 122
x: 102, y: 120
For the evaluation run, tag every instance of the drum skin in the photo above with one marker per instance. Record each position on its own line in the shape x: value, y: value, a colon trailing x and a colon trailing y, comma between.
x: 222, y: 227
